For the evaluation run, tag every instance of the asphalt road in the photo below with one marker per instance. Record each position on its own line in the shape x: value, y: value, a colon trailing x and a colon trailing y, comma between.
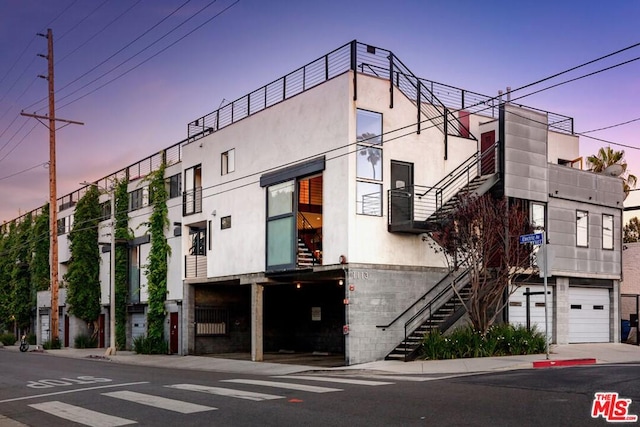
x: 43, y: 390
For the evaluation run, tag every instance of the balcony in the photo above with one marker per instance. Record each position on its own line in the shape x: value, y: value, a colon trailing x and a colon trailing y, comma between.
x: 192, y: 201
x: 195, y: 266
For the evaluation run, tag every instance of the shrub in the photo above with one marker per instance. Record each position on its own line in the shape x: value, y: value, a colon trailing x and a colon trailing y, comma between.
x: 52, y: 345
x: 501, y: 340
x: 8, y: 339
x: 32, y: 339
x: 147, y: 345
x: 85, y: 341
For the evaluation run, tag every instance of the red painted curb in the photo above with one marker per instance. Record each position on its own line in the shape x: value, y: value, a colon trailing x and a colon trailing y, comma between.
x: 569, y: 362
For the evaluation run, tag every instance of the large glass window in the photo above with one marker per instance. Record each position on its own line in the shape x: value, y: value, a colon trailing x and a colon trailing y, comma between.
x: 369, y: 161
x: 607, y: 231
x: 537, y: 216
x: 280, y: 225
x: 582, y: 228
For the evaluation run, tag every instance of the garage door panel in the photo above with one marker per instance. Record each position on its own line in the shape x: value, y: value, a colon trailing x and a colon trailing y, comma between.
x: 589, y: 315
x: 518, y: 308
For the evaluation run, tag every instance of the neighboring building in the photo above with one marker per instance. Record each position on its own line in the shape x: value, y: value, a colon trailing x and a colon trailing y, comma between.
x: 306, y: 205
x: 630, y: 289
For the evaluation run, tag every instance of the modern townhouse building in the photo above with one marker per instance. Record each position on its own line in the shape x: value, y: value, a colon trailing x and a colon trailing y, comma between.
x: 309, y: 204
x: 314, y: 195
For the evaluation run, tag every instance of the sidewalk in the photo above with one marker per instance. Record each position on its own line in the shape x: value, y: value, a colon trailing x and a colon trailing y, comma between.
x: 560, y: 355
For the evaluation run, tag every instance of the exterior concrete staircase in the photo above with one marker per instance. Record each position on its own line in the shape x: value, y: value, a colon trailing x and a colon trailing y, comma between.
x: 439, y: 319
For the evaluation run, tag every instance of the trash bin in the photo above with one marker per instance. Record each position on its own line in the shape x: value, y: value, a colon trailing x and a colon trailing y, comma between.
x: 626, y: 327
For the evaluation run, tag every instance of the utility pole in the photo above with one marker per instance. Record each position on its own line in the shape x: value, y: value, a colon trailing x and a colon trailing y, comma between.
x: 53, y: 205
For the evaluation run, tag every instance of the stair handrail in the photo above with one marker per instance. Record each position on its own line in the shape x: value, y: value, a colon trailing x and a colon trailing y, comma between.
x: 457, y: 279
x: 441, y: 110
x: 461, y: 171
x: 307, y: 226
x: 424, y: 296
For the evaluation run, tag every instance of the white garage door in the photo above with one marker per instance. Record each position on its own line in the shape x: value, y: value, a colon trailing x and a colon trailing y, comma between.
x: 588, y: 315
x: 138, y: 325
x: 518, y: 308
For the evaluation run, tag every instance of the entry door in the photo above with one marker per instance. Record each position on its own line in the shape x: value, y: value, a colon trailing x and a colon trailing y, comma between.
x: 402, y: 196
x: 488, y: 162
x: 101, y: 331
x: 173, y: 336
x: 66, y: 330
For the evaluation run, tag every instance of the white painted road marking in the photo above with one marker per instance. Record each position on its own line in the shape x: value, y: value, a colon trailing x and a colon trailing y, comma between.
x: 334, y: 380
x: 288, y: 386
x: 77, y: 390
x: 81, y: 415
x: 228, y: 392
x: 159, y: 402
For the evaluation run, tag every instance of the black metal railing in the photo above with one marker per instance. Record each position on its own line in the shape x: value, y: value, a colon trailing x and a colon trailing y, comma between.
x: 431, y: 298
x: 192, y: 201
x: 418, y: 202
x: 438, y: 102
x: 311, y: 237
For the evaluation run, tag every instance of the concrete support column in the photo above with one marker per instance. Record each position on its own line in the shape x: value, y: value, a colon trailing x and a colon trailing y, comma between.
x: 257, y: 322
x: 561, y: 304
x: 614, y: 316
x: 187, y: 320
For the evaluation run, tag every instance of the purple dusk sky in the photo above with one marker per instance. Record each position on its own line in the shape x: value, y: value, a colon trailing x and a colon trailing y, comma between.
x: 137, y: 71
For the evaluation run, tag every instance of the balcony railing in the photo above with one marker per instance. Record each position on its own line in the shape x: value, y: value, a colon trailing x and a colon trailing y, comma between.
x: 443, y: 100
x: 192, y: 201
x: 195, y: 266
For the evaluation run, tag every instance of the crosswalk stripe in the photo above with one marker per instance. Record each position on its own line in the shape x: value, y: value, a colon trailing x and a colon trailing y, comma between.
x: 288, y: 386
x: 334, y: 380
x: 159, y: 402
x: 228, y: 392
x: 81, y: 415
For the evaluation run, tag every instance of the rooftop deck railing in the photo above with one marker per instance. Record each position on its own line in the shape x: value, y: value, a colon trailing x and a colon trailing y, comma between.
x: 366, y: 59
x: 135, y: 171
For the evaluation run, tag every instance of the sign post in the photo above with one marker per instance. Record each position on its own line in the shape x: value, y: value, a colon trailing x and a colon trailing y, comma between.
x: 540, y: 239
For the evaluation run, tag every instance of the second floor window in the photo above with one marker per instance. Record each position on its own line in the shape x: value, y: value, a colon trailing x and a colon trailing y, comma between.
x: 607, y: 231
x: 175, y: 186
x: 228, y: 162
x: 138, y: 198
x: 582, y: 229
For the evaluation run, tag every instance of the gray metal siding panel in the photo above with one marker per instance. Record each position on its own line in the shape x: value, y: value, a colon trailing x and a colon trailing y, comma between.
x: 525, y: 164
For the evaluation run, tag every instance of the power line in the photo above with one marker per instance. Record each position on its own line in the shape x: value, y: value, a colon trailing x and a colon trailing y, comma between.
x: 148, y: 58
x: 609, y: 127
x: 100, y: 31
x: 116, y: 53
x: 24, y: 170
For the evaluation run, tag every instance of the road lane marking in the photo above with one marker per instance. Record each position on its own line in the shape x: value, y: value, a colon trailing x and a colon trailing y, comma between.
x: 159, y: 402
x: 228, y: 392
x: 288, y: 386
x: 81, y: 415
x: 55, y: 393
x: 334, y: 380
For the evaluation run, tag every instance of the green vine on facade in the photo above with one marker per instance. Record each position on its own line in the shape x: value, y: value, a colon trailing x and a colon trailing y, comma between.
x: 157, y: 266
x: 19, y: 303
x: 123, y: 233
x: 83, y: 272
x: 39, y: 265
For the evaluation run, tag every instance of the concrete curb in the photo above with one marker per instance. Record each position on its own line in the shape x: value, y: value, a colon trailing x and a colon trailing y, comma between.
x: 558, y: 363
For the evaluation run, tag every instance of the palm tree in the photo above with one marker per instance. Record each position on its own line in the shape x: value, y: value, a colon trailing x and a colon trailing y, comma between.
x: 607, y: 157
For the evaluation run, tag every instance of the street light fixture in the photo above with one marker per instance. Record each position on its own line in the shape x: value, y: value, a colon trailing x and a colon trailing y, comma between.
x: 111, y: 350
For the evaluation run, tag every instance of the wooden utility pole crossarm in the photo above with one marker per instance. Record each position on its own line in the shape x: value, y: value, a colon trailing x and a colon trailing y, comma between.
x: 53, y: 208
